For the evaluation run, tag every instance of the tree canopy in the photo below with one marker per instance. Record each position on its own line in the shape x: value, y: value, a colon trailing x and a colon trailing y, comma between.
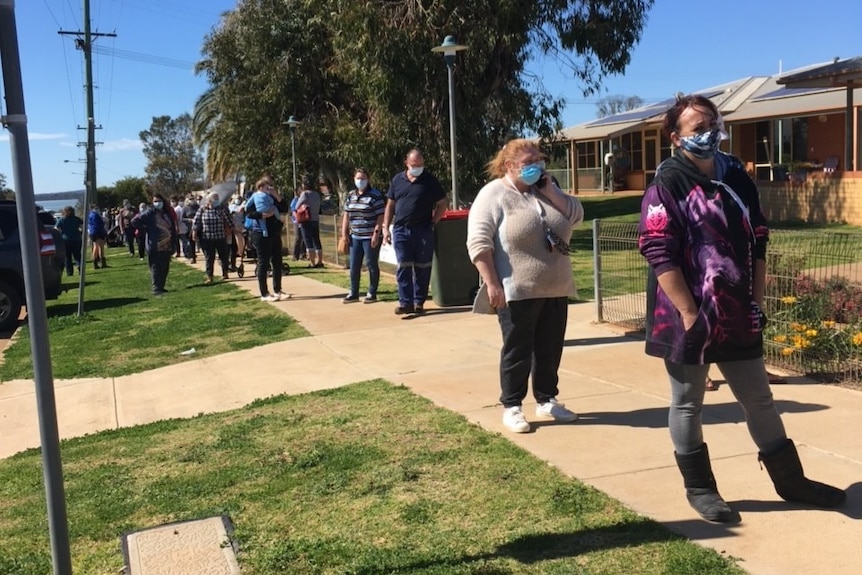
x: 174, y: 164
x: 361, y: 77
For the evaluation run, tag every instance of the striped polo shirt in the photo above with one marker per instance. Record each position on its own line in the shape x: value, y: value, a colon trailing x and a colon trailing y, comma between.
x: 362, y: 211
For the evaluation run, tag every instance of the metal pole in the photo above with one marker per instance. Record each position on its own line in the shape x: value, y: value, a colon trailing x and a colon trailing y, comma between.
x: 293, y: 156
x: 450, y: 66
x: 848, y: 129
x: 597, y: 269
x: 90, y: 180
x: 37, y: 317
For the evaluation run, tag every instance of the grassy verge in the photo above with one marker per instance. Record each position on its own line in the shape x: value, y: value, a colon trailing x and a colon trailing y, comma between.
x: 366, y: 479
x: 126, y: 330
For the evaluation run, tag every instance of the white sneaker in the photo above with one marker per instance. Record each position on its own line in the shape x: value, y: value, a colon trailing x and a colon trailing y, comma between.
x: 513, y: 418
x: 282, y: 295
x: 552, y: 409
x: 269, y: 297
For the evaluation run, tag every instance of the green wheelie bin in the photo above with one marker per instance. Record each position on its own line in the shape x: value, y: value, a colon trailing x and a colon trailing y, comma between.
x: 454, y: 279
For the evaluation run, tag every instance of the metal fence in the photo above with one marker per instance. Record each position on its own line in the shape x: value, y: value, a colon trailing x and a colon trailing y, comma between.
x: 813, y: 296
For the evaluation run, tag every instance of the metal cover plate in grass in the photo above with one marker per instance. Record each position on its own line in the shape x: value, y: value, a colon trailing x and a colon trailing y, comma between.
x: 193, y: 547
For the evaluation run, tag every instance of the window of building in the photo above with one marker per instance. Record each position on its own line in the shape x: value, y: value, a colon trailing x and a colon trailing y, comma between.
x: 587, y: 155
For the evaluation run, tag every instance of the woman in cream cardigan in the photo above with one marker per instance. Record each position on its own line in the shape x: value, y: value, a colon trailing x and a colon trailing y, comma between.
x: 518, y: 236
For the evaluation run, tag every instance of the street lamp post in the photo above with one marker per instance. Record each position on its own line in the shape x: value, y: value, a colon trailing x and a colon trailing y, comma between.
x: 449, y: 48
x: 292, y: 123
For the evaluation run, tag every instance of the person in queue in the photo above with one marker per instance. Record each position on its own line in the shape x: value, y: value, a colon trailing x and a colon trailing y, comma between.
x: 210, y: 228
x: 362, y: 223
x: 309, y: 200
x: 518, y: 234
x: 98, y: 236
x: 160, y: 226
x: 415, y: 203
x: 704, y: 237
x: 265, y: 236
x: 70, y: 227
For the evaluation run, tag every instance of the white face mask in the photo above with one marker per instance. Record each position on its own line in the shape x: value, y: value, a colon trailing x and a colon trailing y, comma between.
x: 360, y: 184
x: 415, y: 172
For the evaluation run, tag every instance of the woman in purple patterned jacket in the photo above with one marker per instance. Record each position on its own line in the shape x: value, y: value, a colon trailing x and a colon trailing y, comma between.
x: 704, y: 236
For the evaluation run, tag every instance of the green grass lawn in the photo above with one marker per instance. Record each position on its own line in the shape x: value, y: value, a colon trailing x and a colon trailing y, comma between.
x: 366, y: 479
x: 126, y: 330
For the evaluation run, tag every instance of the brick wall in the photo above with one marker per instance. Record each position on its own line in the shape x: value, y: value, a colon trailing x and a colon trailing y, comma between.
x: 822, y: 198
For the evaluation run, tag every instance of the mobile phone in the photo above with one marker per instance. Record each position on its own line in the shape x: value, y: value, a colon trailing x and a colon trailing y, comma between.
x: 542, y: 181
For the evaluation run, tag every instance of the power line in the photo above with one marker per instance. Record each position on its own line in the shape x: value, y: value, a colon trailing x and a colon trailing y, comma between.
x: 146, y: 58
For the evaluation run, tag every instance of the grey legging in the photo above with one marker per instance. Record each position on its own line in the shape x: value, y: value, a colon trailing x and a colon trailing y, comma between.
x: 749, y: 383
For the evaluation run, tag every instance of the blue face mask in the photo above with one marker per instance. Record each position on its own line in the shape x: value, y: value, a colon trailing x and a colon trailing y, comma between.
x: 703, y: 145
x: 158, y: 205
x: 531, y: 173
x: 360, y: 183
x: 415, y: 172
x: 216, y: 203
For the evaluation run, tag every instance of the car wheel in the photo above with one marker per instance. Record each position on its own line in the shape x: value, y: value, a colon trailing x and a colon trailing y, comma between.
x: 10, y: 307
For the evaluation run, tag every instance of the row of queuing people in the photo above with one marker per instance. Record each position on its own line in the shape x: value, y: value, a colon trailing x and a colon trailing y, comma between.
x: 405, y: 218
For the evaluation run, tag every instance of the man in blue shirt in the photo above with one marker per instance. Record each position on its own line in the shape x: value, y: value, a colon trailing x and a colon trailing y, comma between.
x: 415, y: 203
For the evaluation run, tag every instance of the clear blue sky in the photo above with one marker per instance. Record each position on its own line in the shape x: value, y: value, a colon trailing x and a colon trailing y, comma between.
x: 686, y: 46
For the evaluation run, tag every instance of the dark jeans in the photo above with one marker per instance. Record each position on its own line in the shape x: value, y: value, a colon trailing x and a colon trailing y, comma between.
x: 298, y: 243
x: 533, y: 333
x: 185, y: 246
x: 160, y: 264
x: 141, y: 238
x: 311, y: 235
x: 361, y: 248
x: 210, y: 249
x: 73, y: 255
x: 129, y: 235
x: 268, y: 250
x: 414, y: 248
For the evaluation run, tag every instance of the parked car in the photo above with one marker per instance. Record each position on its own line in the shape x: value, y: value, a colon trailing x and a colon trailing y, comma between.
x: 12, y: 294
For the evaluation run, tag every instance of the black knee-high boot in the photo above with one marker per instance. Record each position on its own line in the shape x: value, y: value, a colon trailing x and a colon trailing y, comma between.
x: 700, y: 488
x: 786, y: 473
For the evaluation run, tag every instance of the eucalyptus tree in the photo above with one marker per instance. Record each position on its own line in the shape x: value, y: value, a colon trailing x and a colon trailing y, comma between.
x: 361, y: 77
x: 174, y: 164
x: 610, y: 105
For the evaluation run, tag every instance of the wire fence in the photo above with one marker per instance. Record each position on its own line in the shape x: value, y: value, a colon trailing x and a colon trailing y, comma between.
x: 813, y: 297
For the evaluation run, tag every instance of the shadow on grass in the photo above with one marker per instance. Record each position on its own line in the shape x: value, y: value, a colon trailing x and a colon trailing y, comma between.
x: 93, y: 305
x: 538, y: 547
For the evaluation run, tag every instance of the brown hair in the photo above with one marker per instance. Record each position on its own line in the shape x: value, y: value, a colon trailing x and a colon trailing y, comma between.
x: 496, y: 168
x: 671, y: 117
x: 262, y: 182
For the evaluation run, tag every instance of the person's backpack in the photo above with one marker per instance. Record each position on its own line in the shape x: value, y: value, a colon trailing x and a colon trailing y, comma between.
x: 302, y: 214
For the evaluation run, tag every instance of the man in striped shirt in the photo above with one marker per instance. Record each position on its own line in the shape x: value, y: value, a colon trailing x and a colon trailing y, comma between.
x: 361, y: 223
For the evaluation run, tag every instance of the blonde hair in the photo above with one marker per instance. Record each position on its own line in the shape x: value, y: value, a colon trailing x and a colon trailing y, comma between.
x: 496, y: 168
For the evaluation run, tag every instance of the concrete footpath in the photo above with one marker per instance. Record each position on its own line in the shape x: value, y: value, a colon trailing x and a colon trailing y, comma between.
x: 620, y: 444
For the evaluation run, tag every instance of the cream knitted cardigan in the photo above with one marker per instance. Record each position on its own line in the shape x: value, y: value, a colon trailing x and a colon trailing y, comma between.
x: 507, y: 222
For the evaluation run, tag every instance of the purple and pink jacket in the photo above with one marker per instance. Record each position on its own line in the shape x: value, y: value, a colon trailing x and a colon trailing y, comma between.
x: 713, y: 232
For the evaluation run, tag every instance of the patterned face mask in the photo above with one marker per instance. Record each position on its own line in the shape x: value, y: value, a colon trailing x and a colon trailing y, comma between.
x: 703, y: 145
